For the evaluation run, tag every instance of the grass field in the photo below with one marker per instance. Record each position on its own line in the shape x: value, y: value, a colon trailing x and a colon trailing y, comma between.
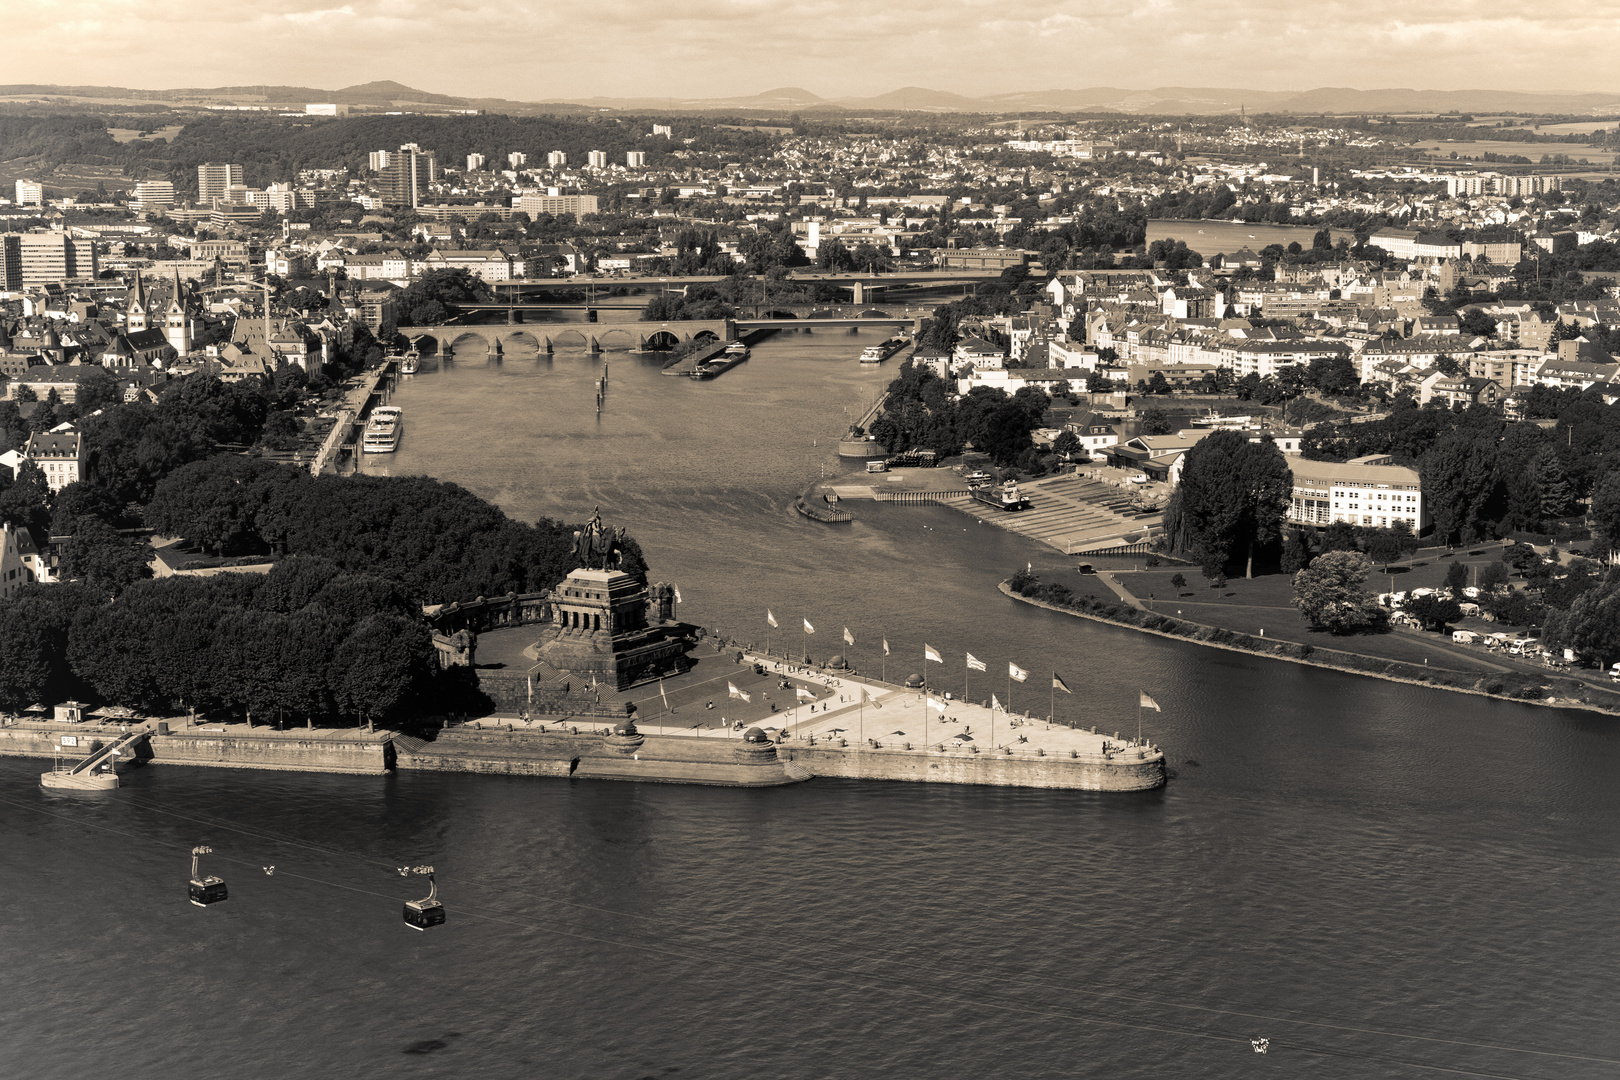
x: 1534, y: 151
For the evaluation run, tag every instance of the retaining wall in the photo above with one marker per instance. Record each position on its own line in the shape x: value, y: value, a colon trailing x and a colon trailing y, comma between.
x: 988, y: 769
x: 364, y: 753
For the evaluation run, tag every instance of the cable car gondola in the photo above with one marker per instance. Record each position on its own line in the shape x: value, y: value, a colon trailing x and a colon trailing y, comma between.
x: 426, y: 912
x: 204, y: 890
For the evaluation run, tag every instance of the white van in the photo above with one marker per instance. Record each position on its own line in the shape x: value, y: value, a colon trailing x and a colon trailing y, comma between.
x: 1464, y: 637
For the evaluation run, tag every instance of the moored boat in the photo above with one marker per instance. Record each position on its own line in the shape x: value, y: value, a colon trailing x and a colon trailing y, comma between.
x: 383, y: 430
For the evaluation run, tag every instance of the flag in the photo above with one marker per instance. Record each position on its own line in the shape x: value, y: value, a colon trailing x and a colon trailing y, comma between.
x: 1016, y: 672
x: 994, y: 704
x: 930, y: 654
x: 1149, y: 703
x: 849, y: 638
x: 1059, y: 684
x: 769, y: 618
x: 738, y: 693
x: 804, y: 695
x: 866, y: 693
x: 677, y: 594
x: 935, y: 703
x: 885, y: 646
x: 1029, y: 568
x: 662, y: 694
x: 975, y: 663
x: 808, y: 628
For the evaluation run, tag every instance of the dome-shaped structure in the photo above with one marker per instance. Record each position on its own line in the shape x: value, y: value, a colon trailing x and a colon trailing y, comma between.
x: 625, y: 727
x: 838, y: 662
x: 914, y: 681
x: 755, y: 735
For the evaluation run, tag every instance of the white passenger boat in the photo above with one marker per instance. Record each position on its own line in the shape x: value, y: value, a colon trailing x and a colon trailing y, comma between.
x: 384, y: 429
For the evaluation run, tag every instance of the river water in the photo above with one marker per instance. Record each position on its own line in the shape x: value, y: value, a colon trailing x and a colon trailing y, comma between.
x: 1380, y: 879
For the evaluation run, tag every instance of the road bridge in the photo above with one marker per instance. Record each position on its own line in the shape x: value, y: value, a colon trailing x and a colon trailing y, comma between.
x: 472, y: 342
x: 858, y: 283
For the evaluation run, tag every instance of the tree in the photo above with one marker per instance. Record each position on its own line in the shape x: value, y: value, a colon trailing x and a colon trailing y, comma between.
x: 428, y: 300
x: 380, y: 665
x: 1456, y: 579
x: 1179, y: 581
x: 1459, y: 477
x: 1232, y: 496
x: 1296, y: 552
x: 1432, y: 611
x: 1522, y: 557
x: 1551, y: 483
x: 1492, y: 576
x: 1384, y: 547
x: 1606, y: 509
x: 1066, y: 445
x: 1476, y: 323
x: 1591, y: 626
x: 1157, y: 422
x: 1330, y: 595
x: 102, y: 557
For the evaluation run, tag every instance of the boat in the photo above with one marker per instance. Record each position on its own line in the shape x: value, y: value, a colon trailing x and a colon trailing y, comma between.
x: 1006, y: 497
x: 822, y: 512
x: 876, y: 354
x: 409, y: 363
x: 383, y: 430
x: 738, y: 350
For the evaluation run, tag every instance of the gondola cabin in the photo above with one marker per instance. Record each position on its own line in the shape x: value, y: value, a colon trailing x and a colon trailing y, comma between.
x: 201, y: 890
x: 426, y: 912
x: 421, y: 914
x: 208, y: 890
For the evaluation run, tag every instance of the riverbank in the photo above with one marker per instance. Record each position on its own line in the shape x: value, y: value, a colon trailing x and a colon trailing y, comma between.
x: 1524, y: 688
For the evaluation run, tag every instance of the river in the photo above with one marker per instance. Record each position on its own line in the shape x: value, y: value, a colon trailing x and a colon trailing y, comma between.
x: 1378, y: 878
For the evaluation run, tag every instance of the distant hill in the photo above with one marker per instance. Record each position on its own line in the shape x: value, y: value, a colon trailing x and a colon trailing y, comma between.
x: 389, y: 95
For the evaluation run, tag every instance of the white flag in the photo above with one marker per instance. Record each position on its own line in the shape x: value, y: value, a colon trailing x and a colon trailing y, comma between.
x: 808, y: 628
x: 769, y: 617
x: 975, y: 663
x: 804, y: 695
x: 929, y: 653
x: 885, y: 646
x: 866, y: 692
x: 738, y: 693
x: 849, y: 638
x: 1149, y: 703
x: 677, y: 594
x: 1016, y: 672
x: 935, y: 703
x: 994, y: 704
x: 662, y: 694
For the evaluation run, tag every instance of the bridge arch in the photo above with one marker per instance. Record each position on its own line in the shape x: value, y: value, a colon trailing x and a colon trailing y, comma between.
x: 522, y: 339
x: 467, y: 340
x: 616, y: 340
x: 779, y: 314
x: 705, y: 335
x: 426, y: 345
x: 662, y: 339
x: 570, y: 339
x: 873, y: 313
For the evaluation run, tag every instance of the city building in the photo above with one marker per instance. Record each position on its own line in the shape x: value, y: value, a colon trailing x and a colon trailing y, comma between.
x: 665, y: 130
x: 59, y: 453
x: 406, y: 178
x: 475, y: 162
x: 535, y: 204
x: 215, y: 180
x: 517, y: 159
x: 597, y: 159
x: 14, y: 573
x: 30, y: 193
x: 557, y: 159
x: 49, y: 258
x: 378, y: 160
x: 152, y: 195
x: 11, y: 279
x: 1366, y: 491
x: 635, y: 159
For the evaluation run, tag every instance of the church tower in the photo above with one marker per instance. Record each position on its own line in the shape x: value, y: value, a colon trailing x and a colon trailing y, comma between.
x: 176, y: 328
x: 135, y: 317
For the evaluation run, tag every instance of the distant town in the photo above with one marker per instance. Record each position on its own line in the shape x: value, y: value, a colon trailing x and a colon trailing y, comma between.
x: 1315, y: 281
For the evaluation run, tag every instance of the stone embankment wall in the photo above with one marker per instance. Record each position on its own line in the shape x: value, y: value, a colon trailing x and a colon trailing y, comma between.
x: 356, y: 752
x: 995, y: 770
x: 363, y: 753
x: 592, y: 755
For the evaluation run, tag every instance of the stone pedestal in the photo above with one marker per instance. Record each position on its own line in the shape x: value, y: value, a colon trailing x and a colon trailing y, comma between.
x: 600, y: 627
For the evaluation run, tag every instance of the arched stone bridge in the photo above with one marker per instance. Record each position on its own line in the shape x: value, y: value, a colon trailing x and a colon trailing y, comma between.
x: 480, y: 342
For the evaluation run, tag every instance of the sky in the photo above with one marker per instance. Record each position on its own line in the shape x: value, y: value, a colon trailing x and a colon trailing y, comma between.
x: 531, y: 51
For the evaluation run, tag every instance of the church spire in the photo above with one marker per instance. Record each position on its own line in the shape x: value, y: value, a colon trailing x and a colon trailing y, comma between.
x: 135, y: 315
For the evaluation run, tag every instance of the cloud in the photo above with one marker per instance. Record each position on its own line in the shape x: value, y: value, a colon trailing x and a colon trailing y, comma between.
x: 574, y: 48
